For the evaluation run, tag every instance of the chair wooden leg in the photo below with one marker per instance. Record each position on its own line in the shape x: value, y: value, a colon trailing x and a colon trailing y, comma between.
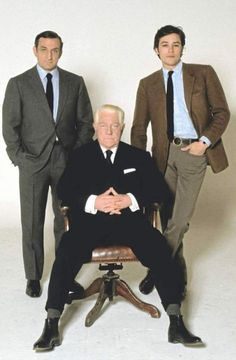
x: 94, y: 288
x: 124, y: 290
x: 95, y: 311
x: 109, y: 286
x: 106, y: 287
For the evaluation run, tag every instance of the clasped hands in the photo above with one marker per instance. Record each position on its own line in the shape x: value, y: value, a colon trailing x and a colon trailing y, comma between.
x: 111, y: 202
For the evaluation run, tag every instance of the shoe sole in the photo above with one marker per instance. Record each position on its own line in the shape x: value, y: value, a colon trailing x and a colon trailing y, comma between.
x: 200, y: 343
x: 33, y: 296
x: 49, y: 348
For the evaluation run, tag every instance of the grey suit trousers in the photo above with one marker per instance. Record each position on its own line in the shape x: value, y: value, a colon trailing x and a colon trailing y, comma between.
x: 34, y: 187
x: 184, y: 174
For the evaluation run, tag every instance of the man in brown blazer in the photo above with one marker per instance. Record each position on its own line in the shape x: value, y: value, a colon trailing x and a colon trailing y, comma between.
x: 46, y: 113
x: 188, y: 112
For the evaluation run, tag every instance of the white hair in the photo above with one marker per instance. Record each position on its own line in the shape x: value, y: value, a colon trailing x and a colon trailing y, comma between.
x: 111, y: 108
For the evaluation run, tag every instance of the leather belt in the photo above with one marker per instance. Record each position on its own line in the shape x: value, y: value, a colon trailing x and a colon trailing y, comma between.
x: 180, y: 141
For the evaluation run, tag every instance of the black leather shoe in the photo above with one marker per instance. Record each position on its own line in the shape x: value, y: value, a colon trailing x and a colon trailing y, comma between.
x: 50, y: 336
x: 146, y: 285
x: 33, y: 288
x: 77, y: 288
x: 178, y: 333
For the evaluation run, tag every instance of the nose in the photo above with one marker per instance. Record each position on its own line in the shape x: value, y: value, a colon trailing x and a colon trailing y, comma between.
x: 49, y: 55
x: 109, y: 130
x: 171, y: 49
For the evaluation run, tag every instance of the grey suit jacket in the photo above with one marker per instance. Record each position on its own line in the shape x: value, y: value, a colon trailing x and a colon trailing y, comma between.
x: 206, y: 104
x: 28, y: 126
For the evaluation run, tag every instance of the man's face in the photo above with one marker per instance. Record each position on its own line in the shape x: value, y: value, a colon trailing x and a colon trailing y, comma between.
x: 170, y: 50
x: 108, y: 129
x: 48, y: 52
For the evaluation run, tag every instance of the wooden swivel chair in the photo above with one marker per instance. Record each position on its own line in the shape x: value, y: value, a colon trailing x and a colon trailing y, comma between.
x: 108, y: 286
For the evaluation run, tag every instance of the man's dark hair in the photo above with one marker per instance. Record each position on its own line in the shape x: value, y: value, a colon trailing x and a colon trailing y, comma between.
x: 48, y: 35
x: 167, y: 30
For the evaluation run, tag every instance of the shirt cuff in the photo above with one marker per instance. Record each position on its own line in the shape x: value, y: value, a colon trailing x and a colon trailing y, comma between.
x: 134, y: 206
x: 90, y: 205
x: 205, y: 140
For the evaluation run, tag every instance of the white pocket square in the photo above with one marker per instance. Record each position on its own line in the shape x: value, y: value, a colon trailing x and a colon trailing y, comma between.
x: 126, y: 171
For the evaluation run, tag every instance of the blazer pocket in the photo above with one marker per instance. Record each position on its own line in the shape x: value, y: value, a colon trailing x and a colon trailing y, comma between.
x: 127, y: 171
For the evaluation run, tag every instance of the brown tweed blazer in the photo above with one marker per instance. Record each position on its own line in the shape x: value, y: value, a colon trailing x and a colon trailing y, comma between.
x: 206, y: 104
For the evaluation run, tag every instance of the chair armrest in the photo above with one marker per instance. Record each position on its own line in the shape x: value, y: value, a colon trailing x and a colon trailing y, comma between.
x: 64, y: 211
x: 155, y: 206
x: 151, y: 212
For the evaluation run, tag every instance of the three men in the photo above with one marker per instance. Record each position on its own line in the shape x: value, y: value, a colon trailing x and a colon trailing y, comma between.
x: 46, y: 113
x: 188, y: 112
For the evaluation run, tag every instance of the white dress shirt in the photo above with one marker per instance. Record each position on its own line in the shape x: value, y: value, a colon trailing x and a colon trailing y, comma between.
x: 90, y: 203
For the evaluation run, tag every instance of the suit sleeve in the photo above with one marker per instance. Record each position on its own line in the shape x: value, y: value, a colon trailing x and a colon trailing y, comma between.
x: 69, y: 188
x: 153, y: 187
x: 141, y: 119
x: 219, y: 110
x: 84, y: 119
x: 11, y: 121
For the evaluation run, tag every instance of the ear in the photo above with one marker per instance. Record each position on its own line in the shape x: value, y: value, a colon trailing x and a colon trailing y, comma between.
x: 35, y: 50
x: 156, y: 51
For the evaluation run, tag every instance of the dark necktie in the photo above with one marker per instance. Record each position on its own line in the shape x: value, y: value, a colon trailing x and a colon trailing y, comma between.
x: 49, y: 91
x: 108, y: 156
x: 170, y: 107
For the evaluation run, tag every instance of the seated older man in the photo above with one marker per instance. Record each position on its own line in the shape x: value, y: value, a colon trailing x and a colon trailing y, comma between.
x: 106, y: 184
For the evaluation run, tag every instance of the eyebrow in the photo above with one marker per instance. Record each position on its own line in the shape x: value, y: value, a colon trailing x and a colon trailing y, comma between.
x: 167, y: 42
x: 45, y: 47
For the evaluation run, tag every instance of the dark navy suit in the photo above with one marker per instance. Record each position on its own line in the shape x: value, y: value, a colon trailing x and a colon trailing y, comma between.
x: 133, y: 171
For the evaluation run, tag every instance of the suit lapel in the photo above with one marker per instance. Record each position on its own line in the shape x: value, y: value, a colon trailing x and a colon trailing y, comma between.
x: 158, y: 87
x: 37, y: 85
x: 188, y: 79
x: 157, y: 97
x: 119, y: 154
x: 63, y: 90
x: 38, y: 90
x: 122, y: 158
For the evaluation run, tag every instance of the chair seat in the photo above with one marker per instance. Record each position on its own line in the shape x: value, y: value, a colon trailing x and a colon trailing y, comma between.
x: 108, y: 286
x: 111, y: 254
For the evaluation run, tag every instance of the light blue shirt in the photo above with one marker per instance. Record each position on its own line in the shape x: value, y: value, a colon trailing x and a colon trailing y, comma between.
x: 183, y: 125
x: 55, y: 84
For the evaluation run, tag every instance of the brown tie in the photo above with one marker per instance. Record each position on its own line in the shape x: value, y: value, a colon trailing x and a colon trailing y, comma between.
x: 170, y: 107
x: 108, y: 156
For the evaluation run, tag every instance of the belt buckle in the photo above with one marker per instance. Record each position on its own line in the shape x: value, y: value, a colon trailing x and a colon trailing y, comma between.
x: 177, y: 141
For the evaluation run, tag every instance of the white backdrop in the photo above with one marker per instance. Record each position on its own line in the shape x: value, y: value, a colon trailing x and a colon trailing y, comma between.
x: 109, y: 42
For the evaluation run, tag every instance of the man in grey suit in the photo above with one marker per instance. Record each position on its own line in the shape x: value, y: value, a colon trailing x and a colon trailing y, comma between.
x: 46, y: 114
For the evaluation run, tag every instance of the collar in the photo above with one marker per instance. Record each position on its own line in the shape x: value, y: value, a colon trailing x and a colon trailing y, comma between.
x: 43, y: 73
x: 177, y: 69
x: 114, y: 150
